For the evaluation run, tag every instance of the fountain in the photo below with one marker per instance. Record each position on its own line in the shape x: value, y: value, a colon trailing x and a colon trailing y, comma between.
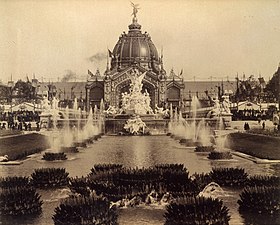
x: 135, y: 126
x: 135, y: 114
x: 201, y: 131
x: 70, y: 132
x: 191, y: 131
x: 136, y: 102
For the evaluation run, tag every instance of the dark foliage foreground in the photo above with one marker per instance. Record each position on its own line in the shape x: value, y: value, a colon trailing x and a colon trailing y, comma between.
x: 116, y: 182
x: 20, y: 201
x: 260, y: 200
x: 230, y: 177
x: 14, y: 182
x: 198, y: 210
x: 49, y: 177
x: 85, y: 210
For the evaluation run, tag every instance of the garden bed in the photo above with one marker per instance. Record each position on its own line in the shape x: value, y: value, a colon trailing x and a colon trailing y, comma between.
x: 18, y: 147
x: 264, y: 147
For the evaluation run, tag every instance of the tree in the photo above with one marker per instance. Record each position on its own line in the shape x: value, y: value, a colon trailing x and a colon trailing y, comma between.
x: 24, y: 91
x: 5, y: 93
x: 249, y: 89
x: 272, y: 87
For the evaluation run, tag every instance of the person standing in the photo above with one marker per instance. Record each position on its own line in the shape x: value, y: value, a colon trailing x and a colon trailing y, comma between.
x: 263, y: 125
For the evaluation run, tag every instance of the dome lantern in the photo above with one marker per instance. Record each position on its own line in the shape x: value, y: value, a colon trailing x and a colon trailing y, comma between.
x: 135, y: 47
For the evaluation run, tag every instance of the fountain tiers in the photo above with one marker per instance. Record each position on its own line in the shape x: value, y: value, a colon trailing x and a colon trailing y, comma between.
x: 155, y: 126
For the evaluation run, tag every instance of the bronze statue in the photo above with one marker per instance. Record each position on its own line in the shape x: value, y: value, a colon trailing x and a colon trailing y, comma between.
x: 135, y: 8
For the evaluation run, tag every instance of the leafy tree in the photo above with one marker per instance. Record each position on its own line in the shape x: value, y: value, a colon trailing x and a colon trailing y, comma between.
x: 272, y: 87
x: 5, y: 93
x: 249, y: 89
x: 24, y: 91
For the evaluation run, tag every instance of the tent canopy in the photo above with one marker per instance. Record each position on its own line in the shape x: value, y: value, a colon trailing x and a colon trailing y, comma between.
x: 248, y: 106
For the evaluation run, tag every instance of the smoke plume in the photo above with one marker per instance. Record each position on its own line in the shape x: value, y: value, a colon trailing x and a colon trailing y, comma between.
x: 70, y: 75
x: 98, y: 57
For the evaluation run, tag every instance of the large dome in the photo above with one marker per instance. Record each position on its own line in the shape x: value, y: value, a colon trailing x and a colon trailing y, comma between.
x: 135, y: 47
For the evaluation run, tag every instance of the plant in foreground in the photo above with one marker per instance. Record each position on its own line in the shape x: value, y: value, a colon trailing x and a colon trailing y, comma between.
x: 261, y: 200
x: 20, y: 201
x: 85, y: 210
x: 230, y: 177
x: 49, y: 177
x: 198, y: 210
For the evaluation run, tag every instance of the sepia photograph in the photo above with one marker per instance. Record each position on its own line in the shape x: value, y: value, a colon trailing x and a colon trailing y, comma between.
x: 140, y: 112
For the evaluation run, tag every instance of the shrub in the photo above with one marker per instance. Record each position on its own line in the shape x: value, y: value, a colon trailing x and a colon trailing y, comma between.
x: 202, y: 148
x: 230, y: 177
x: 260, y: 180
x: 197, y: 210
x: 13, y: 182
x: 51, y: 156
x: 262, y: 200
x: 220, y: 155
x: 79, y: 185
x: 116, y: 182
x: 201, y: 180
x: 85, y: 210
x: 20, y: 201
x: 49, y: 177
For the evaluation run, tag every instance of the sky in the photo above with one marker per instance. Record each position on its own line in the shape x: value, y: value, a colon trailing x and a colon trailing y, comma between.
x: 52, y: 39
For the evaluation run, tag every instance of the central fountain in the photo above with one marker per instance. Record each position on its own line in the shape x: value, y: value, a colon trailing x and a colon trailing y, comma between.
x: 136, y: 102
x: 135, y: 115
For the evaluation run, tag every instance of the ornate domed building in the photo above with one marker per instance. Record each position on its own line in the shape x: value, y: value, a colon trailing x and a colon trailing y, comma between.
x: 134, y: 51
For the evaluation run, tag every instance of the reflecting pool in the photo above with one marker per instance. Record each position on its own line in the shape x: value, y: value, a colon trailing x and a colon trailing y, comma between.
x: 132, y: 151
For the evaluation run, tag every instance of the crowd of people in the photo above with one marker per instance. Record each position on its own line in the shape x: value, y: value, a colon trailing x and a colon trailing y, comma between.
x: 19, y: 120
x: 249, y: 114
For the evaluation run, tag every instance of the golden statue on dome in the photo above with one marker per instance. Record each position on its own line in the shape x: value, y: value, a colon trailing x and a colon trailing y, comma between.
x: 135, y: 9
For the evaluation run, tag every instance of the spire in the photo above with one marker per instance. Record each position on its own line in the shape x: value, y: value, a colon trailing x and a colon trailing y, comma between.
x: 107, y: 67
x: 161, y: 58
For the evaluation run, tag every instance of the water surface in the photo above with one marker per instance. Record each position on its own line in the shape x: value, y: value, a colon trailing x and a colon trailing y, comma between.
x: 132, y: 151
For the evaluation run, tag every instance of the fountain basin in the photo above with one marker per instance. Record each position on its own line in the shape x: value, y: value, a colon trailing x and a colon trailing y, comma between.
x: 216, y: 155
x: 116, y: 125
x: 51, y: 156
x: 80, y: 144
x: 69, y: 149
x: 189, y: 142
x: 204, y: 148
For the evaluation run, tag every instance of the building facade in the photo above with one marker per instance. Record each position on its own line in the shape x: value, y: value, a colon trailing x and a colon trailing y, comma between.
x: 134, y: 51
